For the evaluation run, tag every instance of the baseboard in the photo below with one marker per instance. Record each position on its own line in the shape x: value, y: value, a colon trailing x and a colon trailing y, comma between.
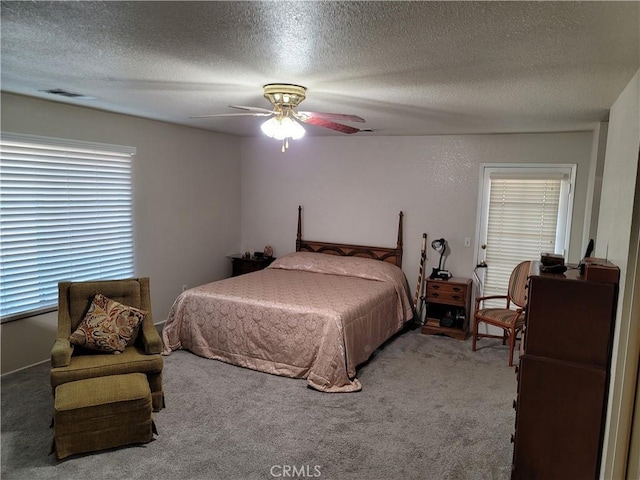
x: 25, y: 367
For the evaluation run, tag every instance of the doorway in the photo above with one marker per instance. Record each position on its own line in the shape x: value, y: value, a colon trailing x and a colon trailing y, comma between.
x: 524, y: 210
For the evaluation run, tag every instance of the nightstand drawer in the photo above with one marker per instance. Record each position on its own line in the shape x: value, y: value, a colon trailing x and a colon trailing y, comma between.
x: 447, y: 297
x: 443, y: 287
x: 448, y: 293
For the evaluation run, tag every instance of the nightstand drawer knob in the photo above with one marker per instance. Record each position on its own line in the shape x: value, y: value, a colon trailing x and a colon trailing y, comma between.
x: 456, y: 289
x: 435, y: 287
x: 435, y: 294
x: 455, y: 297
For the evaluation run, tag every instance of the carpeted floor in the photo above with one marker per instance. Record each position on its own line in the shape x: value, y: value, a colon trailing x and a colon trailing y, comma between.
x: 430, y: 408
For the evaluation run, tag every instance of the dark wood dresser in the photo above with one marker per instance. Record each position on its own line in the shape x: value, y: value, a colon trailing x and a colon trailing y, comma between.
x: 563, y: 376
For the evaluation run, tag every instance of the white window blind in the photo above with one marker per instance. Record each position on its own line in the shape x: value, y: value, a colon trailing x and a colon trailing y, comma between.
x: 523, y: 222
x: 65, y: 214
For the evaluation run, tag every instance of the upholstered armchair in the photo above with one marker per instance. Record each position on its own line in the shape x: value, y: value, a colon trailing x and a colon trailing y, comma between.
x: 142, y: 353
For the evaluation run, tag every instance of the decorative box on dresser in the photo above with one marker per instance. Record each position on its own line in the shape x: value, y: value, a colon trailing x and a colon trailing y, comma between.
x: 563, y: 374
x: 448, y: 307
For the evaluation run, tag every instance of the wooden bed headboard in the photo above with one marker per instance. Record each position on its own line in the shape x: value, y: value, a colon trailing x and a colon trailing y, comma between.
x: 385, y: 254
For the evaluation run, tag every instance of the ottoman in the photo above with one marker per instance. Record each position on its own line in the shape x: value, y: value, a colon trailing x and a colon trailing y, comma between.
x: 102, y: 412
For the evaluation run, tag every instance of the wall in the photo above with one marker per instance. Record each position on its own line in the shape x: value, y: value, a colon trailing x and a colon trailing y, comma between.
x: 187, y: 200
x: 352, y: 188
x: 617, y: 240
x: 594, y: 184
x: 186, y: 205
x: 633, y: 465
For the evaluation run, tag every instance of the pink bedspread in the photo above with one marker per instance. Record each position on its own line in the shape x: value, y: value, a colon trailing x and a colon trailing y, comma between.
x: 308, y: 315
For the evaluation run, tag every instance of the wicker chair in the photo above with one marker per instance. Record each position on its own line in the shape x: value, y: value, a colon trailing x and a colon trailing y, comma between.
x: 143, y: 355
x: 510, y: 320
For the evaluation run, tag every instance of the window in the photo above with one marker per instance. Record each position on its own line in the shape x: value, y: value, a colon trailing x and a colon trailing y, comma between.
x: 525, y: 211
x: 65, y: 214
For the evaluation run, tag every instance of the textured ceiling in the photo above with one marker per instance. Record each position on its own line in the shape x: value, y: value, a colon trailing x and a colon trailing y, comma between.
x: 408, y: 68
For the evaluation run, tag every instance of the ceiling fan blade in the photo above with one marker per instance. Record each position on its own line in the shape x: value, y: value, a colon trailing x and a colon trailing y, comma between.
x: 320, y: 122
x: 252, y: 109
x: 249, y: 111
x: 255, y: 114
x: 333, y: 116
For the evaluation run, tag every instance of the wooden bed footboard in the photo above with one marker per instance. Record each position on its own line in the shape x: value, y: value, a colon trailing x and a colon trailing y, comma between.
x: 385, y: 254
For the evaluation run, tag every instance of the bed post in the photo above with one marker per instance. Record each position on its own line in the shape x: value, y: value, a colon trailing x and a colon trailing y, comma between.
x: 399, y: 246
x: 299, y: 235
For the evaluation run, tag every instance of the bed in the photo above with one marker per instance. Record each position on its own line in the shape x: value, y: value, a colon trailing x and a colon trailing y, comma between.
x: 314, y: 314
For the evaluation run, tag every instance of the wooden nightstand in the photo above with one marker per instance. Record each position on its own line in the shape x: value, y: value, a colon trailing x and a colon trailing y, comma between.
x: 242, y: 265
x: 448, y: 306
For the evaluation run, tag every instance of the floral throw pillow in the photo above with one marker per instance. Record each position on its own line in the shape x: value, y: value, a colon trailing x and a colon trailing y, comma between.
x: 108, y: 325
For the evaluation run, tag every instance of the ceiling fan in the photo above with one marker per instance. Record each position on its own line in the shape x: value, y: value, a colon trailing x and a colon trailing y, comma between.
x: 285, y: 121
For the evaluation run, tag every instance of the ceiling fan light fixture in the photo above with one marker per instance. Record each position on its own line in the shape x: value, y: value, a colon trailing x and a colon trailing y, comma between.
x: 290, y: 129
x: 270, y: 126
x: 282, y: 128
